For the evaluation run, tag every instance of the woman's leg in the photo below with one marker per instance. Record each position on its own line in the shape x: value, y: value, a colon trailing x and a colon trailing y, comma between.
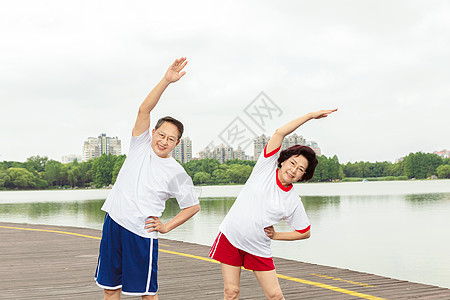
x: 269, y: 283
x: 231, y: 281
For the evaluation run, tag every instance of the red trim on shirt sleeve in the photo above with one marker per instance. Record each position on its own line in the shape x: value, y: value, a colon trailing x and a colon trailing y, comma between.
x: 266, y: 155
x: 304, y: 230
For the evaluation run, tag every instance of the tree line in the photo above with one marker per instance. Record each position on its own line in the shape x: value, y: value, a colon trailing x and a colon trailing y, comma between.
x: 43, y: 173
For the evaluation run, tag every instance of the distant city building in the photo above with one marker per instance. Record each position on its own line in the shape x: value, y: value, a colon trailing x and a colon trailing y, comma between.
x: 315, y: 147
x: 95, y: 147
x: 239, y: 153
x: 70, y: 158
x: 183, y: 151
x: 292, y: 140
x: 444, y: 153
x: 205, y: 153
x: 260, y: 142
x: 223, y: 153
x: 258, y: 145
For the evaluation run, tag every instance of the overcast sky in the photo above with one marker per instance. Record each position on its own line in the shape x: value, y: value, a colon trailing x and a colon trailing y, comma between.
x: 75, y: 69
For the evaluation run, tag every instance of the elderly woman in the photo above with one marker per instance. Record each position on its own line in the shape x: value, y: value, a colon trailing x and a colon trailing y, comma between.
x: 267, y: 198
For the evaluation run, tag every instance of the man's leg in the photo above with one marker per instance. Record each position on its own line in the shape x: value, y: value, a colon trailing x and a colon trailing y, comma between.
x: 148, y: 297
x: 270, y: 285
x: 112, y: 294
x: 108, y: 274
x: 231, y: 281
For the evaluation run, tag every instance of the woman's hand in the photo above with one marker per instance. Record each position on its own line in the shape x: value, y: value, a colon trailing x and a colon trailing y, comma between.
x: 155, y: 224
x: 270, y: 232
x: 322, y: 113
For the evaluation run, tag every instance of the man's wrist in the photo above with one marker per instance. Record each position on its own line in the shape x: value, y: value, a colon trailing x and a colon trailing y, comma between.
x: 165, y: 82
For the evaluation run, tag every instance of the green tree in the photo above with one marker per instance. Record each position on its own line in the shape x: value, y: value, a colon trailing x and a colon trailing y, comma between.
x: 21, y: 178
x: 201, y: 178
x: 102, y: 168
x: 250, y: 163
x: 117, y: 166
x: 5, y: 165
x: 36, y: 163
x: 394, y: 169
x: 53, y: 172
x: 4, y: 178
x: 443, y: 171
x: 238, y: 173
x: 202, y: 165
x: 64, y: 175
x: 73, y: 175
x: 85, y: 172
x: 219, y: 176
x: 421, y: 165
x: 40, y: 182
x: 328, y: 169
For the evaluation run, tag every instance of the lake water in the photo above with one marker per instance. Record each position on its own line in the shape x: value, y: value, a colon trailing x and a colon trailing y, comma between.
x: 395, y: 229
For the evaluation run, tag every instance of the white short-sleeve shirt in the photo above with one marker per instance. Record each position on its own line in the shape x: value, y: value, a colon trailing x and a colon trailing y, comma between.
x: 143, y: 185
x: 263, y: 202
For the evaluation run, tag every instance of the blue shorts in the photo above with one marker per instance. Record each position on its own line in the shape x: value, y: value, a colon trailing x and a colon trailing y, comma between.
x: 127, y: 260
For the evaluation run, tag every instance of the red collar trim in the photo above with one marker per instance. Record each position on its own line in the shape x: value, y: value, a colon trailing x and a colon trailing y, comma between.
x: 284, y: 188
x: 266, y: 155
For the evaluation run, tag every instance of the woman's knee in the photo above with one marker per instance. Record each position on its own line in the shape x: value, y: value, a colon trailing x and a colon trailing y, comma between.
x: 232, y: 292
x: 275, y: 294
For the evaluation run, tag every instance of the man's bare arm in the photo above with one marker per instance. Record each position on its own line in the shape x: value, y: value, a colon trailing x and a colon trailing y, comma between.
x: 155, y: 224
x: 173, y: 74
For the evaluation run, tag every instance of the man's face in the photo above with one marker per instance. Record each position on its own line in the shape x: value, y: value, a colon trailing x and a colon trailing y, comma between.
x: 164, y: 139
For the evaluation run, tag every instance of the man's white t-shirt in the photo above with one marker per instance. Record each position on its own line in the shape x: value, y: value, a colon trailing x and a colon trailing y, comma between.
x: 143, y: 185
x: 263, y: 202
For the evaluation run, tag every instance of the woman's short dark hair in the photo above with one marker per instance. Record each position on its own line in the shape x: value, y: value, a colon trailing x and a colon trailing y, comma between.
x: 174, y: 122
x: 298, y: 150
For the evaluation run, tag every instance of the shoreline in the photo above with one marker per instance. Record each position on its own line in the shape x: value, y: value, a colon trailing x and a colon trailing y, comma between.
x: 210, y: 191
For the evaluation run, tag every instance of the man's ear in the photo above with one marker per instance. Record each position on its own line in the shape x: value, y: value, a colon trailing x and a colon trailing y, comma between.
x: 177, y: 142
x: 153, y: 131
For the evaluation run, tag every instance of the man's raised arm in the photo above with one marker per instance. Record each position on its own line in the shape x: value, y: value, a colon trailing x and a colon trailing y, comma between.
x: 173, y: 74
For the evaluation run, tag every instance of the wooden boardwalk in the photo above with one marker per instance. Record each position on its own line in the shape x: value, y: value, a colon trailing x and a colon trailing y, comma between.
x: 48, y: 262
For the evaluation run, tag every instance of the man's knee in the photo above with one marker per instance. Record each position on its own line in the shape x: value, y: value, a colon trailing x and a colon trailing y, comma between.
x: 231, y: 292
x: 150, y: 297
x: 112, y: 294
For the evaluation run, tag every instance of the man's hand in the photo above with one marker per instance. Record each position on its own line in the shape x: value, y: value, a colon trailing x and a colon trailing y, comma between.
x: 174, y: 73
x: 155, y: 224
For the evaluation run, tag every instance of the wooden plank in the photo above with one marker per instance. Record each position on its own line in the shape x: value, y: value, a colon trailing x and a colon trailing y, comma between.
x: 52, y: 265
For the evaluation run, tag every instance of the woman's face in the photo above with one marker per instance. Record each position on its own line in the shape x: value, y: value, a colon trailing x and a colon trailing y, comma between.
x: 292, y: 169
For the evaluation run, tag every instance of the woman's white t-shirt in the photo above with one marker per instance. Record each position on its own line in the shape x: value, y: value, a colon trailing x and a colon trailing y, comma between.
x: 143, y: 185
x: 263, y: 202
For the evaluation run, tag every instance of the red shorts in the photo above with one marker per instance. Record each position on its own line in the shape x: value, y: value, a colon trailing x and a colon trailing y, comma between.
x: 222, y: 250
